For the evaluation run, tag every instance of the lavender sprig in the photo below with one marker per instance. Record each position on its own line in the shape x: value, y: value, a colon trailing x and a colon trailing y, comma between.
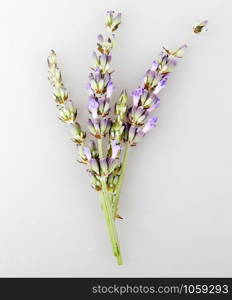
x: 105, y: 167
x: 111, y: 138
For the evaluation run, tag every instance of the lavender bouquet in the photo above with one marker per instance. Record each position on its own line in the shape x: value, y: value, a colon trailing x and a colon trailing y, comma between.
x: 106, y: 153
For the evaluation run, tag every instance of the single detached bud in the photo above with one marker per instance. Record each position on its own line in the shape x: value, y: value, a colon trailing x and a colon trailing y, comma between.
x: 200, y: 27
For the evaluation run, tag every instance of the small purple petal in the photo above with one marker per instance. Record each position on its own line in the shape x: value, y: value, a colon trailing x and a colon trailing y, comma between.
x: 154, y: 65
x: 89, y: 89
x: 110, y: 88
x: 100, y: 38
x: 161, y: 84
x: 97, y: 74
x: 93, y: 107
x: 116, y: 148
x: 136, y: 96
x: 151, y: 123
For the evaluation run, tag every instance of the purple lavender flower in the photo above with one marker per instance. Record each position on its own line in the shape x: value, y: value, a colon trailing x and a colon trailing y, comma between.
x: 129, y: 126
x: 115, y: 149
x: 93, y: 107
x: 109, y: 89
x: 137, y: 115
x: 168, y: 66
x: 154, y: 65
x: 99, y: 81
x: 151, y: 79
x: 107, y: 166
x: 136, y: 96
x: 102, y: 62
x: 94, y: 166
x: 149, y: 101
x: 151, y: 123
x: 100, y: 38
x: 99, y: 127
x: 161, y: 84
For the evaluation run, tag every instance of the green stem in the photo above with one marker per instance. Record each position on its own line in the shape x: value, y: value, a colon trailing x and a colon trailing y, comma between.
x: 120, y: 181
x: 108, y: 213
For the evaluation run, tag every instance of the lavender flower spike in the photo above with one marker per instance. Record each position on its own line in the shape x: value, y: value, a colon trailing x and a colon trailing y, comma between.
x: 112, y: 137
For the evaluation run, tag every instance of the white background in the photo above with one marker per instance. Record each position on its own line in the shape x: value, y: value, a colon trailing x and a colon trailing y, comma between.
x: 176, y: 200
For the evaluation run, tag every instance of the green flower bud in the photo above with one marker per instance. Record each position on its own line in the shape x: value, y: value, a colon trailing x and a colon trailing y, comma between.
x: 78, y: 135
x: 68, y: 112
x: 60, y: 94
